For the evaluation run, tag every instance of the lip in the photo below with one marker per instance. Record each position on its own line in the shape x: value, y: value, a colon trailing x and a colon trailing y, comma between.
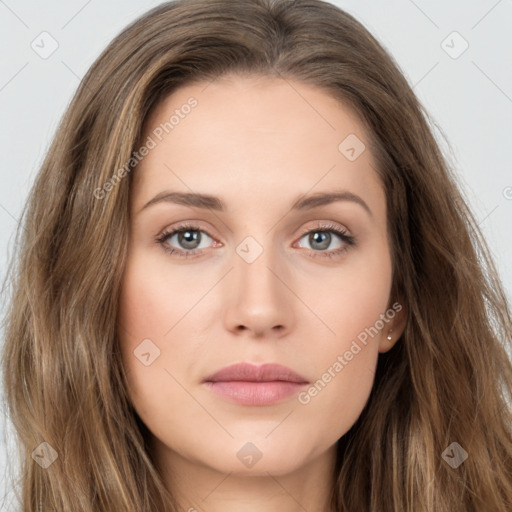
x: 249, y: 384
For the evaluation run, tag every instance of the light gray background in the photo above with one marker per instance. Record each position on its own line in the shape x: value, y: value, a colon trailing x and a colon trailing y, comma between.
x: 469, y: 97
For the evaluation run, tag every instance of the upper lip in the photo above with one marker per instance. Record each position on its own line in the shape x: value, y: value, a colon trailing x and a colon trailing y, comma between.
x: 256, y: 373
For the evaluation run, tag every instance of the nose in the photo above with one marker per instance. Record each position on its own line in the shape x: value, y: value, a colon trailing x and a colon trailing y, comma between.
x: 259, y: 300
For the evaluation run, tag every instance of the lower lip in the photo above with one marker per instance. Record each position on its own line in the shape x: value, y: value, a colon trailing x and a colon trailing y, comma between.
x: 255, y: 393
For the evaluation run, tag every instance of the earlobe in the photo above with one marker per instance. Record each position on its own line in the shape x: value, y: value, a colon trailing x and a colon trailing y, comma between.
x: 394, y: 330
x: 388, y: 341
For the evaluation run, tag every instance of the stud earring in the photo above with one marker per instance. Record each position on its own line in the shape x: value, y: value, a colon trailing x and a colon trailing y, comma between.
x: 389, y: 335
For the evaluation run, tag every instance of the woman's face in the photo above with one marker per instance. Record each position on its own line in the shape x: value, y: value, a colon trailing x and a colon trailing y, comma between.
x: 259, y: 275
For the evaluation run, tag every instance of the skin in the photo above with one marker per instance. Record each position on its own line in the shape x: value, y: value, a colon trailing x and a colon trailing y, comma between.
x: 259, y: 144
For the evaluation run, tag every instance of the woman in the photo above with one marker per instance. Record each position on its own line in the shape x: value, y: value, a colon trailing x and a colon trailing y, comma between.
x: 177, y: 340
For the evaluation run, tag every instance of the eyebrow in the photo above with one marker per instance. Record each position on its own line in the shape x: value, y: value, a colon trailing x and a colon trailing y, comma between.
x: 206, y: 201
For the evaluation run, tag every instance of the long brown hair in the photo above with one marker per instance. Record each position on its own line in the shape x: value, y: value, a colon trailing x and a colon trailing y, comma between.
x: 448, y: 379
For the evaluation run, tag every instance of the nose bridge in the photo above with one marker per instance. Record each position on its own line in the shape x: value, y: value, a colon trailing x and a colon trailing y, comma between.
x: 260, y: 301
x: 254, y: 265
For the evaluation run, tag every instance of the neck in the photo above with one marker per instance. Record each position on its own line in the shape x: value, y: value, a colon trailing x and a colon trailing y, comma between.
x: 201, y: 488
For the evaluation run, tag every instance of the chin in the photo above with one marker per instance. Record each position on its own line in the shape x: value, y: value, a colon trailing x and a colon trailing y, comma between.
x: 258, y: 456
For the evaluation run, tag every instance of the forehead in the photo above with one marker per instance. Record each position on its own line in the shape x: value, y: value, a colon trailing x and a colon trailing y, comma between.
x: 239, y: 136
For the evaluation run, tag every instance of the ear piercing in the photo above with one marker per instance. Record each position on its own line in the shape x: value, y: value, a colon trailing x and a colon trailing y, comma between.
x: 389, y: 334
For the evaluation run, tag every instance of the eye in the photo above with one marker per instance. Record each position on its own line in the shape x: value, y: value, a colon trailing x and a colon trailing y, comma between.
x: 321, y: 238
x: 188, y: 238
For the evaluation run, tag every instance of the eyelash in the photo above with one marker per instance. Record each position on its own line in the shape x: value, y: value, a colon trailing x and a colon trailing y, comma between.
x: 349, y: 240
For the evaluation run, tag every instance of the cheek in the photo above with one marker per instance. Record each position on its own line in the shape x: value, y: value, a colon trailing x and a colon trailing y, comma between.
x: 143, y: 301
x: 153, y: 302
x: 148, y: 310
x: 142, y: 322
x: 353, y: 306
x: 352, y: 298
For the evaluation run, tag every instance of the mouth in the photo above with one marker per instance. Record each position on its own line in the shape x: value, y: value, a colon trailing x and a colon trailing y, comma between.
x: 248, y: 384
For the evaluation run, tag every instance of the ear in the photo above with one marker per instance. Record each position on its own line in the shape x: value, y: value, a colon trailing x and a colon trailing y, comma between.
x: 396, y: 325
